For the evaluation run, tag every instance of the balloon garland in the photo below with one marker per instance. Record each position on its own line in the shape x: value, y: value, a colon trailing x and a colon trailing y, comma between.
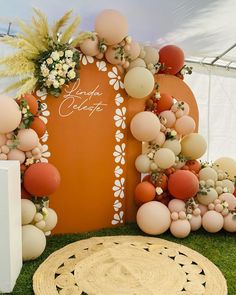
x: 178, y: 192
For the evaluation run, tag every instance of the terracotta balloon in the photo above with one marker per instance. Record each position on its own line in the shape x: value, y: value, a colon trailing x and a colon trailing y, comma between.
x: 173, y: 59
x: 41, y: 179
x: 176, y: 205
x: 207, y: 173
x: 138, y: 62
x: 25, y: 194
x: 160, y: 139
x: 164, y: 103
x: 151, y: 55
x: 10, y: 114
x: 227, y: 165
x: 28, y: 139
x: 194, y: 165
x: 230, y: 199
x: 180, y: 228
x: 112, y: 56
x: 90, y: 46
x: 164, y: 158
x: 17, y: 155
x: 183, y: 184
x: 170, y: 118
x: 139, y: 82
x: 185, y: 125
x: 195, y: 222
x: 142, y: 164
x: 31, y: 101
x: 153, y: 218
x: 174, y: 145
x: 3, y: 139
x: 212, y: 221
x: 193, y: 146
x: 134, y: 50
x: 145, y: 126
x: 111, y: 26
x: 210, y: 197
x: 38, y: 126
x: 144, y: 192
x: 230, y: 223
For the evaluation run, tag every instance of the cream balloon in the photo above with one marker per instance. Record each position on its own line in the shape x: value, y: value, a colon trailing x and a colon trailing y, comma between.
x: 170, y: 118
x: 164, y: 158
x: 134, y: 50
x: 193, y: 146
x: 28, y: 139
x: 90, y: 46
x: 51, y: 220
x: 229, y: 185
x: 210, y: 197
x: 185, y: 125
x: 139, y: 82
x: 173, y: 145
x: 145, y: 126
x: 153, y: 218
x: 17, y: 155
x: 208, y: 173
x: 212, y: 221
x: 111, y: 26
x: 195, y: 222
x: 176, y: 205
x: 180, y: 228
x: 28, y: 210
x: 160, y: 139
x: 10, y: 114
x: 151, y: 55
x: 33, y: 242
x: 142, y: 164
x: 227, y: 165
x: 230, y: 223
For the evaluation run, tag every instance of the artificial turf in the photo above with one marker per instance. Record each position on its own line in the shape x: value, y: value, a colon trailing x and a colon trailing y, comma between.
x: 220, y: 248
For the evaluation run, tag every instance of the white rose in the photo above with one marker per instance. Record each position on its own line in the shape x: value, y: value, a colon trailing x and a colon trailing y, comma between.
x: 157, y: 95
x: 55, y: 55
x: 56, y: 84
x: 128, y: 39
x: 62, y: 81
x: 65, y: 67
x: 58, y: 66
x: 159, y: 190
x: 51, y: 78
x: 53, y: 72
x: 173, y: 133
x: 24, y: 111
x: 45, y: 72
x: 71, y: 74
x: 61, y: 53
x: 49, y: 61
x: 68, y: 53
x: 48, y: 83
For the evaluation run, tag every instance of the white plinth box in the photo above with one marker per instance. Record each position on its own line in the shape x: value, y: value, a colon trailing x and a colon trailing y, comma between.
x: 10, y: 225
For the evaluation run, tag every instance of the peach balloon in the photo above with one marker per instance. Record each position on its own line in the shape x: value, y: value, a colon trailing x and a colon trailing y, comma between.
x: 230, y: 199
x: 90, y: 46
x: 111, y: 26
x: 138, y: 62
x: 10, y: 114
x: 227, y: 165
x: 160, y: 139
x: 180, y: 228
x: 3, y: 139
x: 17, y: 155
x: 230, y: 223
x: 170, y: 117
x: 195, y: 222
x: 193, y: 146
x: 139, y: 82
x: 212, y: 221
x: 112, y: 55
x: 145, y: 126
x: 134, y: 50
x: 28, y: 139
x: 164, y: 158
x: 203, y: 209
x: 173, y: 145
x: 176, y: 205
x: 153, y: 218
x: 185, y: 125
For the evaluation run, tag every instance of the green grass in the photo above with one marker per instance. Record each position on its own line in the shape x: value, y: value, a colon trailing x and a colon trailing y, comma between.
x: 220, y: 248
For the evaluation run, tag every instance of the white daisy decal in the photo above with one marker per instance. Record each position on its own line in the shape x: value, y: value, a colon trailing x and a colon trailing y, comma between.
x: 45, y: 154
x: 45, y: 137
x: 119, y: 99
x: 118, y: 188
x: 117, y: 205
x: 118, y: 218
x: 119, y: 154
x: 44, y: 113
x: 119, y: 135
x: 115, y: 79
x: 101, y: 65
x: 42, y: 94
x: 86, y: 59
x: 120, y: 118
x: 118, y: 171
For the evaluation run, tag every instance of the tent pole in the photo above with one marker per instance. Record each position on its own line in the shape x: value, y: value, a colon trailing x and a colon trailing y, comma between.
x: 224, y: 53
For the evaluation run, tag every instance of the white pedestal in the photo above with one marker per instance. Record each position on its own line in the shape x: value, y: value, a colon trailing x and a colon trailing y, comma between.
x: 10, y: 225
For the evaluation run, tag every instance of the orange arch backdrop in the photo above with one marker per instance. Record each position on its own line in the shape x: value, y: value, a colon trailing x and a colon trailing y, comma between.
x: 90, y: 143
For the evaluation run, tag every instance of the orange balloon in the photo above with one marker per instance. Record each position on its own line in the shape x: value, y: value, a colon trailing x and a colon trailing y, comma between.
x: 164, y: 103
x: 38, y: 126
x: 173, y: 59
x: 183, y: 184
x: 31, y: 101
x: 194, y: 165
x: 144, y: 192
x: 41, y: 179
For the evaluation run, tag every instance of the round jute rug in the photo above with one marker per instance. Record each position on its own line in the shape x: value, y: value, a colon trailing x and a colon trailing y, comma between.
x: 129, y: 265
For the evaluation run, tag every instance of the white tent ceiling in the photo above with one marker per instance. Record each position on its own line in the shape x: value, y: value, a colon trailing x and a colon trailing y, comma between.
x: 203, y: 28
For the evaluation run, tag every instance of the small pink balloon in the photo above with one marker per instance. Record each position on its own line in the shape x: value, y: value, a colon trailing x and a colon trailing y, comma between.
x: 212, y: 221
x: 176, y: 205
x: 195, y: 222
x: 160, y: 139
x: 230, y: 199
x: 16, y: 155
x: 180, y: 228
x: 90, y: 46
x: 185, y: 125
x: 111, y: 26
x: 5, y: 149
x: 3, y: 139
x: 170, y: 117
x: 3, y: 156
x: 174, y: 216
x: 134, y: 50
x: 28, y: 139
x: 230, y: 223
x: 111, y: 55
